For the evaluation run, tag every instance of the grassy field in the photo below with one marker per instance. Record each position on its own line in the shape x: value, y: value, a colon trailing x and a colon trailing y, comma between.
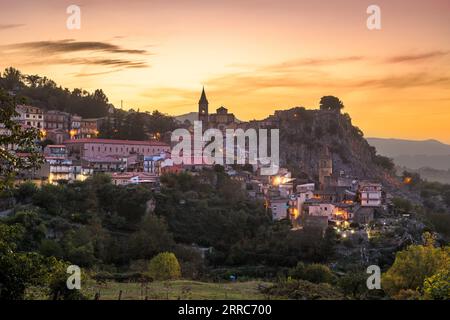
x: 179, y: 289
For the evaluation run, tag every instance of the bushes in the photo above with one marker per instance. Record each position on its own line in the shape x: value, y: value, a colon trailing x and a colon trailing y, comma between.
x: 164, y: 266
x: 303, y: 290
x: 437, y: 287
x: 315, y: 273
x: 412, y: 266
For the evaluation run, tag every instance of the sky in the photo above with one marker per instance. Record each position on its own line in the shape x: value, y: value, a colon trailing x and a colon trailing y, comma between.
x: 252, y: 56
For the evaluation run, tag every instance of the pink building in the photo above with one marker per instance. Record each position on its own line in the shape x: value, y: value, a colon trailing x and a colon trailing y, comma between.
x: 98, y: 148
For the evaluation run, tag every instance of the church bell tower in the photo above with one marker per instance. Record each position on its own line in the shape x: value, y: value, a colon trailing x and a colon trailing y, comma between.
x: 203, y: 108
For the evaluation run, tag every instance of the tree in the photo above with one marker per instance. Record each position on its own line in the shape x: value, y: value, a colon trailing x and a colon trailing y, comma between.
x: 12, y: 79
x: 151, y: 238
x: 18, y: 149
x: 354, y: 284
x: 164, y: 266
x: 437, y: 287
x: 17, y: 270
x: 412, y: 266
x: 331, y: 103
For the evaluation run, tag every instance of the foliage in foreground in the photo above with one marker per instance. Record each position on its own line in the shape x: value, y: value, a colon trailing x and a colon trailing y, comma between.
x: 417, y: 269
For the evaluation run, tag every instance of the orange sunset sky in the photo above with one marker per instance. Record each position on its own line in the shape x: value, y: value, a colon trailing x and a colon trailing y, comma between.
x: 253, y: 56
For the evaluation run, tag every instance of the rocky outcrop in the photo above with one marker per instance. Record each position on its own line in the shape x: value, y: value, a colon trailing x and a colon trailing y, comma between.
x: 304, y: 134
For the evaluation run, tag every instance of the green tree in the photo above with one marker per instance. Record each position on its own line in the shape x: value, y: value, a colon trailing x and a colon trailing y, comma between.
x: 164, y: 266
x: 151, y: 238
x: 412, y: 266
x: 18, y: 149
x: 353, y: 284
x: 17, y: 270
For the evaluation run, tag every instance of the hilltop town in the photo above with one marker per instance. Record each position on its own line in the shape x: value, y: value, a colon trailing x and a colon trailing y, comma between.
x: 103, y: 200
x: 330, y: 194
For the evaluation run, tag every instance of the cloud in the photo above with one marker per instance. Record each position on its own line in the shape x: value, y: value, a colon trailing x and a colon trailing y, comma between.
x: 10, y: 26
x: 70, y: 46
x: 84, y: 53
x: 117, y: 63
x: 319, y: 73
x: 417, y: 57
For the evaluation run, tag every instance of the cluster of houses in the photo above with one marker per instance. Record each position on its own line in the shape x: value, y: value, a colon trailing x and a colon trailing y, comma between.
x: 337, y: 198
x: 56, y: 125
x: 78, y: 153
x: 127, y: 161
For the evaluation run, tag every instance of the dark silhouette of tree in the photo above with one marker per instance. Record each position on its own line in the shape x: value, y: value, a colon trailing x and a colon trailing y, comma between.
x: 331, y: 103
x: 12, y: 79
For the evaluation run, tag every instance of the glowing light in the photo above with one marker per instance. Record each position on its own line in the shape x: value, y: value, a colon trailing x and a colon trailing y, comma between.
x: 73, y: 133
x: 277, y: 181
x: 407, y: 180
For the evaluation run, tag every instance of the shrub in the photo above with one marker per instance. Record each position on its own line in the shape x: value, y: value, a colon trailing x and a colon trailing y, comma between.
x: 315, y: 273
x: 303, y: 290
x: 164, y: 266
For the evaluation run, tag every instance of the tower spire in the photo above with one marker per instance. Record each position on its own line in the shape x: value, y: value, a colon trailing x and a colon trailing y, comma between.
x: 203, y: 97
x: 203, y: 107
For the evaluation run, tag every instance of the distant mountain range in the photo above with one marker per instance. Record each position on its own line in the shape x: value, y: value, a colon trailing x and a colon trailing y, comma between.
x: 191, y: 116
x: 430, y: 158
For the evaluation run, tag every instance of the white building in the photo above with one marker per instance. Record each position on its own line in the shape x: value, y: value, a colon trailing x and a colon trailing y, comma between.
x: 30, y: 116
x: 322, y: 210
x: 371, y: 194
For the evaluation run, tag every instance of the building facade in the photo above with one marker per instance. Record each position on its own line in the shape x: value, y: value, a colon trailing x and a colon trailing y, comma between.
x: 30, y: 116
x: 97, y: 148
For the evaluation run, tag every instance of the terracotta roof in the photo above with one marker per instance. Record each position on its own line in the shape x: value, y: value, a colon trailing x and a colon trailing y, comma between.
x: 113, y: 141
x: 56, y: 146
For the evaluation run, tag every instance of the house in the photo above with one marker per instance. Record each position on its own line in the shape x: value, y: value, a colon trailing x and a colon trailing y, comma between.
x: 88, y: 129
x: 58, y: 136
x: 153, y: 163
x: 364, y: 215
x: 58, y: 151
x: 55, y: 119
x: 279, y: 208
x: 321, y: 209
x: 370, y: 194
x: 30, y: 116
x: 67, y: 170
